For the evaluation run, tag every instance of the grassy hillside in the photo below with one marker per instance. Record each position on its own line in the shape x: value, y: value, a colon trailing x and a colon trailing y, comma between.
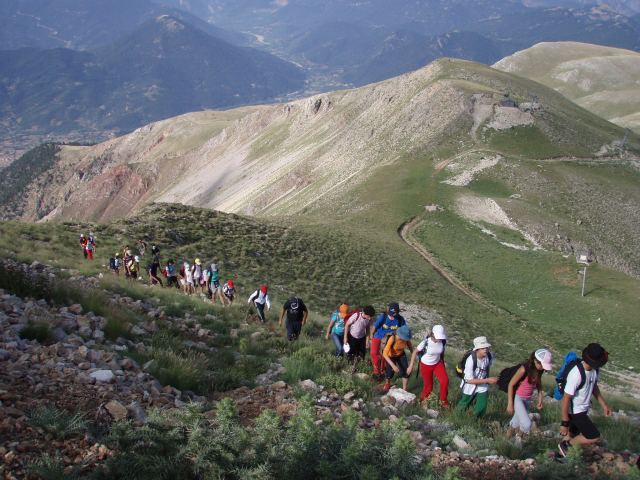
x: 601, y: 79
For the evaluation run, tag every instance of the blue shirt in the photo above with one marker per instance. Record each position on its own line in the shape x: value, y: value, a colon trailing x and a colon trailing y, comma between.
x: 338, y: 325
x: 385, y: 324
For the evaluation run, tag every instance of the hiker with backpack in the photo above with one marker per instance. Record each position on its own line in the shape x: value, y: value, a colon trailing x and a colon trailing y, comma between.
x: 578, y: 384
x: 114, y: 264
x: 336, y: 327
x: 473, y: 368
x: 229, y: 291
x: 154, y: 267
x: 356, y: 332
x: 430, y: 354
x: 214, y: 284
x: 90, y: 246
x: 83, y: 245
x: 260, y: 298
x: 133, y: 265
x: 396, y: 358
x: 296, y: 312
x: 171, y: 274
x: 196, y: 275
x: 520, y: 382
x: 127, y: 257
x: 383, y: 328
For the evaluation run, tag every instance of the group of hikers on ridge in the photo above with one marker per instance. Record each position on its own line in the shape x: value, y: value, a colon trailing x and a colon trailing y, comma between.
x: 388, y: 338
x: 392, y: 353
x: 192, y: 278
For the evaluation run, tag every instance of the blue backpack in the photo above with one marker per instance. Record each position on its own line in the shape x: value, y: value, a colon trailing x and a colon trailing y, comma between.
x: 571, y: 360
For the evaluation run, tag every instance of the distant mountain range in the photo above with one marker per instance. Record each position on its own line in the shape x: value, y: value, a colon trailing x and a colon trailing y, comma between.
x: 114, y: 79
x: 163, y: 68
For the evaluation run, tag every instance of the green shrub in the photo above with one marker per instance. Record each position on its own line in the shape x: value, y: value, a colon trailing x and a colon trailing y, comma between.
x: 51, y: 468
x: 59, y: 423
x: 184, y: 371
x: 39, y: 331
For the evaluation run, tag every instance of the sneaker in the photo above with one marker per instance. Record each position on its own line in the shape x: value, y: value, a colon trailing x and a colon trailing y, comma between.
x: 386, y: 387
x: 563, y: 447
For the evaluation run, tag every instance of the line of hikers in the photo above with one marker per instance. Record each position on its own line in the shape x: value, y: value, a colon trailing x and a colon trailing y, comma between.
x: 389, y: 337
x: 192, y: 278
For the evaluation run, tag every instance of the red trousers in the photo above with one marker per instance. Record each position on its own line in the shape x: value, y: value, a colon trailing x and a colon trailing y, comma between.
x: 440, y: 371
x: 376, y: 358
x: 90, y: 254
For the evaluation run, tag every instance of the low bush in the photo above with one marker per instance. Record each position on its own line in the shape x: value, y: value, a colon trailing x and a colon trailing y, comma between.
x: 59, y: 423
x: 39, y: 331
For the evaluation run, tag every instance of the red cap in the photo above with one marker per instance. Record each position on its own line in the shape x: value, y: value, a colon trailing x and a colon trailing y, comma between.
x: 230, y: 283
x: 264, y: 288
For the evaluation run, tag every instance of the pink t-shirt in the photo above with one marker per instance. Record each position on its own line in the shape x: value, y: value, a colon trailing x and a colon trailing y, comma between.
x: 358, y: 324
x: 525, y: 389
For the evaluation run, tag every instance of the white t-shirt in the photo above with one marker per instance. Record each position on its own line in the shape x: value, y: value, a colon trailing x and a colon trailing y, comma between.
x: 582, y: 399
x: 433, y: 351
x: 482, y: 370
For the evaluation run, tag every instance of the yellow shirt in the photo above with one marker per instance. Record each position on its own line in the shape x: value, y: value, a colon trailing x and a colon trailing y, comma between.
x: 395, y: 347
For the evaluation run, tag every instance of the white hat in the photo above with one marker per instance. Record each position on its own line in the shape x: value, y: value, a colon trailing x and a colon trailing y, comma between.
x: 544, y: 357
x: 438, y: 332
x: 480, y: 342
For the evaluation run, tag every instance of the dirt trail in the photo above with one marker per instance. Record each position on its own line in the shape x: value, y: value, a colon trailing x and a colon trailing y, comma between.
x: 406, y: 233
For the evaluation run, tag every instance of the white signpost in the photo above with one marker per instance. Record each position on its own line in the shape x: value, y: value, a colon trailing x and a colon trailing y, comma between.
x: 584, y: 259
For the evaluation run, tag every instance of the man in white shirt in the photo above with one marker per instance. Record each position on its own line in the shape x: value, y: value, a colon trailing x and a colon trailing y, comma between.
x: 581, y: 385
x: 476, y: 381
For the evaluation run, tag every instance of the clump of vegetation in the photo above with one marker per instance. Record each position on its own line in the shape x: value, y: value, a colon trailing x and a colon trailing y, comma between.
x: 186, y: 445
x: 39, y: 331
x: 59, y: 423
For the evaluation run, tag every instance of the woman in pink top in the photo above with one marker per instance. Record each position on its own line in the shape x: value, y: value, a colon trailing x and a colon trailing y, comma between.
x: 521, y: 387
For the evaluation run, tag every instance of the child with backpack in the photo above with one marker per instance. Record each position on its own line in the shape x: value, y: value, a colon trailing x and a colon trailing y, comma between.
x: 579, y: 384
x: 336, y: 327
x: 431, y: 356
x: 229, y: 291
x: 114, y: 264
x: 385, y: 325
x: 171, y: 273
x: 474, y: 370
x: 396, y: 358
x: 260, y: 298
x: 520, y: 381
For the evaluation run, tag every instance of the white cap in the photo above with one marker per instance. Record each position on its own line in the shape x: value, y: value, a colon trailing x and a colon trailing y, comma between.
x: 438, y: 332
x: 544, y: 357
x: 480, y: 342
x: 137, y: 258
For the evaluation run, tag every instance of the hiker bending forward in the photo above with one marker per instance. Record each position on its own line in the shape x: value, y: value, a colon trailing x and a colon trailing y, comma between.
x: 260, y: 298
x: 396, y: 358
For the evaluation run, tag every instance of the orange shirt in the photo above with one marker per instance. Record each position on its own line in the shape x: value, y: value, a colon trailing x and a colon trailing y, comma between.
x: 395, y: 347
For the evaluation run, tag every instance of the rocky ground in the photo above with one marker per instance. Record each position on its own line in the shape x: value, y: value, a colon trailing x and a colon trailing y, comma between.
x: 79, y: 370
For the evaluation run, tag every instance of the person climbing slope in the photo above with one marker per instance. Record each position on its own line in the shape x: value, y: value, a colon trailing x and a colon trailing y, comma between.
x: 384, y: 327
x: 260, y: 298
x: 336, y: 327
x: 396, y: 358
x: 356, y: 332
x: 431, y: 355
x: 296, y: 312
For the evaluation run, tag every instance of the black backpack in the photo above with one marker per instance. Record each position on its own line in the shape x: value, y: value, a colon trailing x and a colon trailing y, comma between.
x: 505, y: 376
x: 463, y: 361
x: 112, y: 263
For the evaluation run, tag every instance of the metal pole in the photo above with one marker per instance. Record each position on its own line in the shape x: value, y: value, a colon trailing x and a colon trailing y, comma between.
x: 584, y: 279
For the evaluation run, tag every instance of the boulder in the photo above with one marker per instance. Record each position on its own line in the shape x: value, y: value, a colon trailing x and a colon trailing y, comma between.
x: 459, y: 442
x: 75, y: 308
x: 402, y: 397
x: 103, y: 376
x: 309, y: 385
x: 116, y: 410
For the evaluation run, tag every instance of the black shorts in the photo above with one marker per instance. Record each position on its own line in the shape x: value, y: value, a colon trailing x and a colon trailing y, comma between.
x: 402, y: 363
x: 580, y: 423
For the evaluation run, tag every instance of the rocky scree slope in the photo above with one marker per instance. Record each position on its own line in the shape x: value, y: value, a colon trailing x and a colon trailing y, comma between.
x: 78, y: 369
x: 302, y: 156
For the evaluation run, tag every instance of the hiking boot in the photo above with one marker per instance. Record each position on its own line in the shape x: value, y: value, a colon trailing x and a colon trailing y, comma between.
x: 563, y: 448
